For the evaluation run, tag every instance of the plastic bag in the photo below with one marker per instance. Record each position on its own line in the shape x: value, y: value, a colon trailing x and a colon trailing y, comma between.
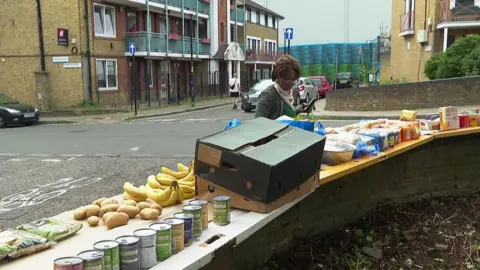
x: 298, y: 122
x: 363, y: 150
x: 17, y: 243
x: 233, y: 123
x: 320, y: 130
x: 51, y: 229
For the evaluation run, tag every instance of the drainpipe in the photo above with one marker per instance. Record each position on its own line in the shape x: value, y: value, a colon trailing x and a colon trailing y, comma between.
x: 167, y: 25
x: 236, y: 22
x: 196, y: 33
x: 183, y: 27
x: 149, y: 28
x: 40, y: 36
x: 89, y: 55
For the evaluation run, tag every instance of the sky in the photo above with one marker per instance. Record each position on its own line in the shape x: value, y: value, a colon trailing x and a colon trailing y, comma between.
x: 323, y: 21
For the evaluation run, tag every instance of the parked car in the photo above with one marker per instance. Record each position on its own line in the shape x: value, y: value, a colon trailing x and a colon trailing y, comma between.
x: 13, y: 112
x: 345, y: 80
x: 322, y: 84
x: 304, y: 90
x: 250, y: 98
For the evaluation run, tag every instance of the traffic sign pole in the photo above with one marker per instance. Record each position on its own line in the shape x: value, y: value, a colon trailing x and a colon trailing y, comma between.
x: 132, y: 48
x: 288, y: 37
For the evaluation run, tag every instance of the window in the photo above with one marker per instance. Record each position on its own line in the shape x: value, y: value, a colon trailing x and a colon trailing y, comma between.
x: 104, y: 21
x: 132, y: 21
x: 107, y: 74
x: 253, y: 17
x: 222, y: 32
x: 165, y: 69
x: 266, y: 20
x: 258, y: 46
x: 258, y: 17
x: 274, y: 22
x: 163, y: 25
x: 150, y: 73
x: 249, y: 15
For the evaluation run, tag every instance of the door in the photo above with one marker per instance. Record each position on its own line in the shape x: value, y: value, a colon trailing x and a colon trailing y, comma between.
x: 223, y: 78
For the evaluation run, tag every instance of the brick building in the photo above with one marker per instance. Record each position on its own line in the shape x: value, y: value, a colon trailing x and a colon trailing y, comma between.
x: 421, y: 28
x: 59, y: 54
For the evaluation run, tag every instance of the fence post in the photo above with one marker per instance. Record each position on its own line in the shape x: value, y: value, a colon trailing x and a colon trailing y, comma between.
x: 221, y: 81
x: 201, y: 84
x: 168, y: 88
x: 178, y: 88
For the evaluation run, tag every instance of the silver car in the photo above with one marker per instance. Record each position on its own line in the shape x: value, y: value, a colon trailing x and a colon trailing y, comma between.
x: 250, y: 98
x: 304, y: 90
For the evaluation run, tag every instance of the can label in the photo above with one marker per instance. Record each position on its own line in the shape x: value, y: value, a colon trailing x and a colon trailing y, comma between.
x: 178, y: 233
x: 68, y: 263
x: 196, y: 211
x: 221, y: 210
x: 204, y: 205
x: 187, y: 227
x: 111, y: 249
x: 163, y: 241
x: 148, y: 257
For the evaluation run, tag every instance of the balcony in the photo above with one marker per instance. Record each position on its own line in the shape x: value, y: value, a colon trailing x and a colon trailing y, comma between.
x: 203, y: 5
x: 261, y: 56
x: 459, y: 13
x: 407, y: 24
x: 176, y: 44
x: 237, y: 16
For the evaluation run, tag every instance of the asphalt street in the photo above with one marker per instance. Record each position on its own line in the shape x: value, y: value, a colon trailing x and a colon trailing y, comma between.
x: 48, y: 169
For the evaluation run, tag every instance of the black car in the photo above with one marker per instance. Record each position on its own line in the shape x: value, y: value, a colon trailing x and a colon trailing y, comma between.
x: 13, y: 112
x: 345, y: 80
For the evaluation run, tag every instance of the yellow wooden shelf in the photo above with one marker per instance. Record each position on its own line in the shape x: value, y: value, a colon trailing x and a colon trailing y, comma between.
x: 456, y: 132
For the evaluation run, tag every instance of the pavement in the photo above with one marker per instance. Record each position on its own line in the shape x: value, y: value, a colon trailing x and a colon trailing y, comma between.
x: 49, y: 169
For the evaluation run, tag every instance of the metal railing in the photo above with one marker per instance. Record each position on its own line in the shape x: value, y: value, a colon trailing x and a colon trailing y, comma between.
x: 459, y: 10
x: 158, y: 43
x: 203, y: 6
x: 407, y: 22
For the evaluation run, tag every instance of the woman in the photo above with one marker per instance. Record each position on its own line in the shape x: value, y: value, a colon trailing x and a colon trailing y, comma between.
x: 277, y: 100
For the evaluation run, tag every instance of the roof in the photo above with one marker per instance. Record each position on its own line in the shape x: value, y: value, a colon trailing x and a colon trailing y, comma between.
x: 220, y: 55
x: 254, y: 5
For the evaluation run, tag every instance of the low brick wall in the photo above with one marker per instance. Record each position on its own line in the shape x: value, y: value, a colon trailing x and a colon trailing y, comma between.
x: 446, y: 166
x: 428, y: 94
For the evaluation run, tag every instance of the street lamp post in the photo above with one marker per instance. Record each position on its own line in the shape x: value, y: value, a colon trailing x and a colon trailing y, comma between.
x: 192, y: 85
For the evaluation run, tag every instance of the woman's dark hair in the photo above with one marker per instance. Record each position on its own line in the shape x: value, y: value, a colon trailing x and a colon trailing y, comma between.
x: 284, y: 64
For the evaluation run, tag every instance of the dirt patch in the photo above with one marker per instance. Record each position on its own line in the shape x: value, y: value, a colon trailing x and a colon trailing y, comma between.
x: 428, y: 234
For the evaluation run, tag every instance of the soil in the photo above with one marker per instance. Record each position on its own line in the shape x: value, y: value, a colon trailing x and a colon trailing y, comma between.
x: 430, y: 234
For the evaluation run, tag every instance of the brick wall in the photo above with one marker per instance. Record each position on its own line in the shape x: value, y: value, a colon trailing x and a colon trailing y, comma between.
x: 441, y: 167
x: 428, y: 94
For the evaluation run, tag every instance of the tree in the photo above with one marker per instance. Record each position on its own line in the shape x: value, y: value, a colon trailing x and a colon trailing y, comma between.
x: 471, y: 64
x: 456, y: 61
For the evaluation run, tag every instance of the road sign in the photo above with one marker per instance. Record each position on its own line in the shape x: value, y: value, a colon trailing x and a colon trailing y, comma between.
x: 289, y: 33
x: 132, y: 48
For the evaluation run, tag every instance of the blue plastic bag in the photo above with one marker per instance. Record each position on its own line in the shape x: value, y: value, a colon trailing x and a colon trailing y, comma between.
x: 233, y: 123
x: 320, y: 130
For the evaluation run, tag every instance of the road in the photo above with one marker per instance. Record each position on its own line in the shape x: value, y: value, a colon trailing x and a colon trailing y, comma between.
x: 48, y: 169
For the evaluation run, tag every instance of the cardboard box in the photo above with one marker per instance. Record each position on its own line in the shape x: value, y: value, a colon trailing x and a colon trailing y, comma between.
x: 261, y: 160
x: 407, y: 115
x: 449, y: 118
x: 430, y: 125
x: 207, y: 191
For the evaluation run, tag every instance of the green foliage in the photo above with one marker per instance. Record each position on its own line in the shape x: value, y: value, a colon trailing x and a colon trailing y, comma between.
x: 459, y: 60
x: 395, y: 81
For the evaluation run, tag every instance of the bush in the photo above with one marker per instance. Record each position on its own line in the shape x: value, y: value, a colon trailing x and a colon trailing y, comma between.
x: 471, y: 64
x: 432, y: 65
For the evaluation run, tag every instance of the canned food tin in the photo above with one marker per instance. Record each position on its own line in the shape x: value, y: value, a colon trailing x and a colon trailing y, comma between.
x: 147, y: 237
x: 148, y: 257
x: 68, y: 263
x: 204, y: 205
x: 187, y: 227
x: 177, y: 234
x: 164, y: 240
x: 221, y: 210
x: 92, y: 259
x: 129, y: 252
x: 196, y: 211
x: 111, y: 252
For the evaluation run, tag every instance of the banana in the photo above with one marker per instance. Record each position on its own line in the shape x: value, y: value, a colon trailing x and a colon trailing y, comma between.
x: 186, y: 183
x: 190, y: 177
x: 159, y: 196
x: 181, y: 167
x: 134, y: 191
x: 127, y: 196
x: 171, y: 200
x: 177, y: 175
x: 180, y: 194
x: 186, y: 189
x: 153, y: 183
x: 188, y: 195
x: 164, y: 181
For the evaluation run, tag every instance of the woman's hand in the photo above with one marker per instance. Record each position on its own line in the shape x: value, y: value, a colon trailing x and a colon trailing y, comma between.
x: 303, y: 108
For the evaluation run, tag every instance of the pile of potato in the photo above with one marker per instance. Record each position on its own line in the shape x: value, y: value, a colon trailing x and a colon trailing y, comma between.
x: 115, y: 214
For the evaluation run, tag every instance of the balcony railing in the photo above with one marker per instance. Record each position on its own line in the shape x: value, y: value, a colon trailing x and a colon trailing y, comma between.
x: 158, y: 43
x: 261, y: 55
x: 459, y: 11
x: 407, y: 23
x: 237, y: 16
x: 203, y: 5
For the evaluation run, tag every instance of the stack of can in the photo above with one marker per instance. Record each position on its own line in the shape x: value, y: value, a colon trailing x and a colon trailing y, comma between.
x: 129, y: 252
x: 111, y: 252
x: 204, y: 205
x: 177, y: 234
x: 68, y: 263
x: 147, y: 251
x: 187, y: 227
x: 221, y: 210
x: 164, y: 240
x: 196, y: 211
x: 92, y: 259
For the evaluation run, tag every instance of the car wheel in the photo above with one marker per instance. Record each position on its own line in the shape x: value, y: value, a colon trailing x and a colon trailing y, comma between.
x: 247, y: 110
x: 2, y: 123
x: 307, y: 98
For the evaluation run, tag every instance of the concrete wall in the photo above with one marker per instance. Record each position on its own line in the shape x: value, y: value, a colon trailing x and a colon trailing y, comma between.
x: 447, y: 166
x: 428, y: 94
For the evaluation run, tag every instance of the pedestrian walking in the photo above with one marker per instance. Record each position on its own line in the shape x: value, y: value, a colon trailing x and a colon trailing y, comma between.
x: 234, y: 90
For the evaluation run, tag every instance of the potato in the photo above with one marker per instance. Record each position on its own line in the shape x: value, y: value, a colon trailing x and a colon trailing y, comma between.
x: 149, y: 214
x: 106, y: 215
x: 80, y: 213
x: 131, y: 211
x: 157, y: 206
x: 143, y: 205
x: 108, y: 201
x: 99, y: 201
x: 108, y: 208
x: 93, y: 221
x: 130, y: 202
x: 116, y: 219
x: 92, y: 210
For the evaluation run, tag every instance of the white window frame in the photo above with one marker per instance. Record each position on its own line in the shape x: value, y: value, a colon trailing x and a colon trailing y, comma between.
x: 274, y: 45
x: 106, y: 73
x: 150, y: 73
x: 257, y: 41
x: 104, y: 26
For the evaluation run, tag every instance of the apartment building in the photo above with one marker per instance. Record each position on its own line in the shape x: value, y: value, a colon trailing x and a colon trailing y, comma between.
x: 261, y: 39
x: 421, y: 28
x: 80, y: 51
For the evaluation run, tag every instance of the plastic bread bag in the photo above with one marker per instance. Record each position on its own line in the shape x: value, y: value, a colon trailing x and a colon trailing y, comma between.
x: 18, y: 243
x: 51, y: 229
x: 5, y: 249
x: 363, y: 150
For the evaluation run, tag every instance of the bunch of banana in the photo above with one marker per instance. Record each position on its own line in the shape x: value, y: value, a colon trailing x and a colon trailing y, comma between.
x: 165, y: 197
x: 134, y: 193
x: 184, y: 177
